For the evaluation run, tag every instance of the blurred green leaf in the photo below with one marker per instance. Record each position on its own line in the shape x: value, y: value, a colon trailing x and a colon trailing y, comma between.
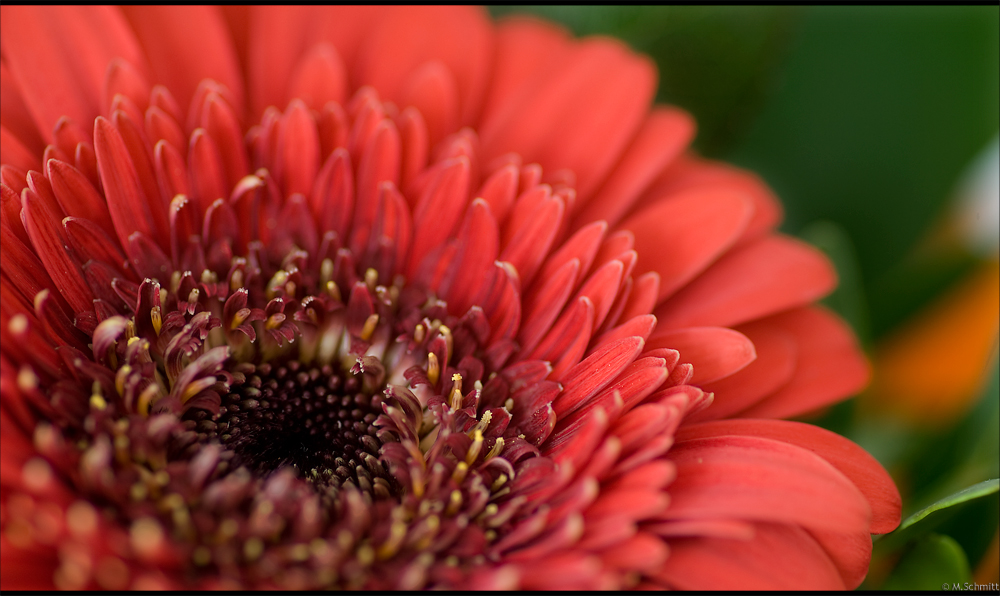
x: 930, y: 517
x: 932, y: 562
x: 881, y: 110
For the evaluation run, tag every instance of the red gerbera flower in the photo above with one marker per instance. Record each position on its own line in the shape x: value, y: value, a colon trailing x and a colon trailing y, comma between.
x: 307, y: 297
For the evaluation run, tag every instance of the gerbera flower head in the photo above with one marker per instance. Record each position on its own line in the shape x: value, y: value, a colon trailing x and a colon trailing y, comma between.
x: 307, y: 297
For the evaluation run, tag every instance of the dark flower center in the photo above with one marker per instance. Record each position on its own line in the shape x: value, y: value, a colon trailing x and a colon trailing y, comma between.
x: 314, y: 419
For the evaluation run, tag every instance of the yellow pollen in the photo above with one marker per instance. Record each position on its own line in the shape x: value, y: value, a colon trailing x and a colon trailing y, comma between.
x: 365, y: 555
x: 325, y: 271
x: 274, y: 321
x: 157, y: 318
x: 27, y: 380
x: 419, y: 332
x: 120, y: 377
x: 201, y: 556
x: 460, y: 471
x: 485, y: 421
x: 193, y: 295
x: 371, y: 278
x: 333, y: 291
x: 239, y: 318
x: 397, y: 531
x: 253, y: 548
x: 454, y: 502
x: 129, y: 329
x: 446, y: 332
x: 209, y: 277
x: 433, y: 368
x: 146, y: 398
x: 369, y: 327
x: 495, y: 449
x: 18, y: 324
x: 455, y: 399
x: 163, y: 294
x: 475, y: 448
x: 98, y: 403
x: 276, y: 282
x: 237, y: 280
x: 500, y: 481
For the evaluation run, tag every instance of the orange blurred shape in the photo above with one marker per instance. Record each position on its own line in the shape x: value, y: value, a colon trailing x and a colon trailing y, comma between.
x: 931, y: 369
x: 988, y: 571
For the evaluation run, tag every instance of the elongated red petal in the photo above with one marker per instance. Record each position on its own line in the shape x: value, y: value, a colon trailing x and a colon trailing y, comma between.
x: 778, y: 557
x: 715, y: 352
x: 761, y: 278
x: 763, y: 479
x: 186, y: 44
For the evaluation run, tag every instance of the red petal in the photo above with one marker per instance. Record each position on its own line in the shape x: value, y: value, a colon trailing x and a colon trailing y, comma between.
x: 530, y: 244
x: 830, y: 365
x: 14, y: 114
x: 500, y: 190
x: 59, y: 57
x: 763, y: 277
x: 432, y: 90
x: 42, y: 221
x: 282, y: 34
x: 478, y: 244
x: 127, y: 203
x: 764, y: 480
x: 413, y: 154
x: 601, y: 288
x: 640, y: 553
x: 299, y: 146
x: 597, y: 371
x: 13, y: 152
x: 171, y: 171
x: 333, y: 194
x: 544, y: 302
x: 778, y: 557
x: 208, y: 179
x: 715, y: 352
x: 379, y: 162
x: 662, y: 137
x: 645, y: 290
x: 690, y: 172
x: 77, y: 196
x: 186, y: 44
x: 461, y: 38
x: 680, y: 236
x: 223, y: 125
x: 319, y: 77
x: 543, y: 125
x: 851, y: 553
x: 439, y: 209
x: 774, y: 366
x: 853, y: 461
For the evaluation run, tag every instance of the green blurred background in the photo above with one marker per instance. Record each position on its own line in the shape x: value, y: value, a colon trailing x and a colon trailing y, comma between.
x: 864, y: 121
